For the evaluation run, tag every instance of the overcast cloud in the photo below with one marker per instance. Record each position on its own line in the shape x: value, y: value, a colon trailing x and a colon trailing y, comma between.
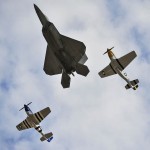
x: 93, y: 113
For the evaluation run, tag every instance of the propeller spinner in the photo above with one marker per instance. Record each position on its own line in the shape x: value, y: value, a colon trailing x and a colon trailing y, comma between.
x: 108, y: 49
x: 24, y: 107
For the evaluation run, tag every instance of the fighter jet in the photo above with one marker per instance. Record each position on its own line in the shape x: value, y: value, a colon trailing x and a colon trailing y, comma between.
x: 63, y: 55
x: 33, y: 120
x: 116, y: 66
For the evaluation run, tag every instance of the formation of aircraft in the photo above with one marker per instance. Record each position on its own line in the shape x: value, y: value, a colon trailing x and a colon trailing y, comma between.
x: 64, y: 55
x: 116, y: 66
x: 33, y: 120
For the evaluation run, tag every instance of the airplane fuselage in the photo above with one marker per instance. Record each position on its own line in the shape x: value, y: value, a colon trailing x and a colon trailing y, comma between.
x: 37, y: 127
x: 117, y: 67
x: 54, y: 41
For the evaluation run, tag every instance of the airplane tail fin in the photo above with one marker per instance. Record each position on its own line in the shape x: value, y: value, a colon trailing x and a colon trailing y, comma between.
x: 82, y: 69
x: 65, y: 80
x: 48, y: 137
x: 134, y: 83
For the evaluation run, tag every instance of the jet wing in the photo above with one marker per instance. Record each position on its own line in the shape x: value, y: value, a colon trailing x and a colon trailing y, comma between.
x: 40, y: 115
x: 24, y: 125
x: 107, y: 71
x: 74, y: 48
x: 126, y: 59
x: 51, y: 64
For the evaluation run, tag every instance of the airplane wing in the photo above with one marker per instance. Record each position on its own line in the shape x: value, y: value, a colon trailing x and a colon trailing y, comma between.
x: 24, y: 125
x: 126, y: 59
x: 51, y: 64
x: 107, y: 71
x: 40, y: 115
x: 74, y: 48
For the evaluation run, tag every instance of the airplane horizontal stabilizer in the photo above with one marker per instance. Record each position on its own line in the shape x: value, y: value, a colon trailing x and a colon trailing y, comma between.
x: 134, y: 83
x: 127, y: 86
x: 82, y: 69
x: 48, y: 140
x: 65, y: 80
x: 48, y: 137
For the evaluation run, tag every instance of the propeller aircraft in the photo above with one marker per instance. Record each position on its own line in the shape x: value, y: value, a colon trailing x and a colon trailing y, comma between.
x: 116, y: 66
x: 33, y: 120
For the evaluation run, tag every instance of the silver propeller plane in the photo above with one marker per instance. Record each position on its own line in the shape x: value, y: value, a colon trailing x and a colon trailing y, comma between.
x: 116, y: 66
x: 33, y: 120
x: 64, y: 55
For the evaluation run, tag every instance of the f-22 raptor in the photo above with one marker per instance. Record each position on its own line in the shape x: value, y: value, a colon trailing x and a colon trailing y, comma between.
x: 64, y: 55
x: 116, y: 66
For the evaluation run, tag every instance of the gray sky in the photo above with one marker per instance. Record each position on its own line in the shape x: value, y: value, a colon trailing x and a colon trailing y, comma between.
x: 93, y: 113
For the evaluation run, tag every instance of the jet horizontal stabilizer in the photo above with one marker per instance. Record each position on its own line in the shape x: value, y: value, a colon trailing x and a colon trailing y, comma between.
x: 65, y: 80
x: 82, y: 69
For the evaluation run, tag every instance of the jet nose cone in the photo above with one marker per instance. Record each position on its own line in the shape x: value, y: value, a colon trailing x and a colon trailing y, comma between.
x: 36, y: 8
x: 41, y: 16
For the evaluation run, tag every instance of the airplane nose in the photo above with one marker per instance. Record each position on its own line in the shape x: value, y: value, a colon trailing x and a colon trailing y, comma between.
x: 41, y: 16
x: 35, y: 7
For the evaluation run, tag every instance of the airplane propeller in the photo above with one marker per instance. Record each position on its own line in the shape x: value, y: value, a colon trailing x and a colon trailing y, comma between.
x: 27, y: 105
x: 108, y: 49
